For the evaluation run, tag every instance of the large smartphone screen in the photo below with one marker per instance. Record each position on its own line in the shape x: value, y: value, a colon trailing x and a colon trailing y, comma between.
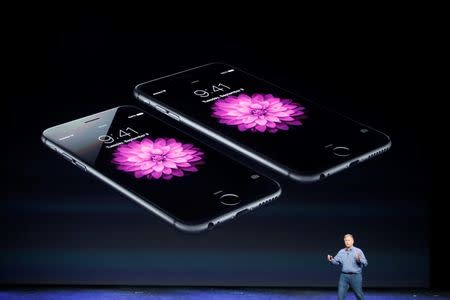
x: 273, y: 123
x: 180, y: 175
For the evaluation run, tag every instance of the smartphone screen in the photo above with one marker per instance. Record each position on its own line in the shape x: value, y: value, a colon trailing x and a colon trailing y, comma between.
x: 181, y: 176
x: 295, y: 133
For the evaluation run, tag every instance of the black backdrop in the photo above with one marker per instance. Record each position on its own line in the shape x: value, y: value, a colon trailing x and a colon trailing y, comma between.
x: 59, y: 226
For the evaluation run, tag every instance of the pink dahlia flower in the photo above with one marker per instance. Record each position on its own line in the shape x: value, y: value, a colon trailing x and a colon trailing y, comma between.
x: 259, y: 112
x: 162, y: 158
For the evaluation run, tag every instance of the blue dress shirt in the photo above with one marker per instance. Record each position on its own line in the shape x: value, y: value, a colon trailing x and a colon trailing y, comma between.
x: 347, y: 259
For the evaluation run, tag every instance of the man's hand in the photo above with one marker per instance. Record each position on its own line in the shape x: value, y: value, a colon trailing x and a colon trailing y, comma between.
x: 329, y: 257
x: 358, y: 257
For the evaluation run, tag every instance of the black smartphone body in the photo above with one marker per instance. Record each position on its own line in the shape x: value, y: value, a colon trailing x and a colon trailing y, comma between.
x: 180, y: 179
x: 285, y: 132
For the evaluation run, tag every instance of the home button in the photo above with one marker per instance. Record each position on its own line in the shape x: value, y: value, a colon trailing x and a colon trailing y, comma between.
x: 341, y: 151
x: 229, y: 199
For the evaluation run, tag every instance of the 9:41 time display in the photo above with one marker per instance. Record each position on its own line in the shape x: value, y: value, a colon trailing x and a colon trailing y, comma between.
x: 109, y: 139
x: 215, y: 88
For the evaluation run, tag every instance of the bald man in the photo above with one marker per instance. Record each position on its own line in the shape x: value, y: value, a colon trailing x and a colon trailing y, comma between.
x: 352, y: 260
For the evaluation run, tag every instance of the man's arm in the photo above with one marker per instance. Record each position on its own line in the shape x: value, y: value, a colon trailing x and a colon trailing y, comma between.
x: 362, y: 259
x: 337, y: 259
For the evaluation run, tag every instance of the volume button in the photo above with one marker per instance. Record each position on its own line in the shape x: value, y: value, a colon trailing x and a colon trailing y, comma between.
x: 66, y: 156
x: 173, y: 116
x: 140, y: 97
x: 80, y: 165
x: 161, y: 109
x: 75, y: 162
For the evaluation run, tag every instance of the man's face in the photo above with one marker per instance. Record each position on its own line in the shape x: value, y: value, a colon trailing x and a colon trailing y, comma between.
x: 348, y: 241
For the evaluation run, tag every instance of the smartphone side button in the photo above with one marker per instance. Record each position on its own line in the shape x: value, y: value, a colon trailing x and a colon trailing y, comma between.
x: 66, y: 156
x: 173, y: 116
x: 229, y: 199
x: 80, y: 165
x: 161, y: 109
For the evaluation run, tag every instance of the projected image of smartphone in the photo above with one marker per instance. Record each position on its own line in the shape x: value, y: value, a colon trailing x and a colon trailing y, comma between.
x: 178, y: 178
x: 285, y: 132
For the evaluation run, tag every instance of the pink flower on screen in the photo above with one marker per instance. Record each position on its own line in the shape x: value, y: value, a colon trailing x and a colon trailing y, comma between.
x: 258, y: 112
x: 162, y: 158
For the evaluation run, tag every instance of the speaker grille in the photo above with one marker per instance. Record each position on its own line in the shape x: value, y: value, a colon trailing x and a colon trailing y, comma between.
x: 378, y: 152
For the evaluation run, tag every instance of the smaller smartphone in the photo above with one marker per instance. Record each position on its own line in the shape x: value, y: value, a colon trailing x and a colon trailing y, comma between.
x: 178, y: 178
x: 283, y: 131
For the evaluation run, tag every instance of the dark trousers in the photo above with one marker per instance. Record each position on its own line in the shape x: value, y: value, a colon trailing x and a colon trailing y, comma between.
x: 350, y: 280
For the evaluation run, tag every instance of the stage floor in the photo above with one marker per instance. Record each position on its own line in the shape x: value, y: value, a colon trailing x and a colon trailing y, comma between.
x: 137, y: 293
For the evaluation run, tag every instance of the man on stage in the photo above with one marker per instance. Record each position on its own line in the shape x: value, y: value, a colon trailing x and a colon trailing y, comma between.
x: 352, y: 260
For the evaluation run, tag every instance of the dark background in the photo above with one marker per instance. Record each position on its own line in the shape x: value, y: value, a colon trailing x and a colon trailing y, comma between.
x: 59, y: 226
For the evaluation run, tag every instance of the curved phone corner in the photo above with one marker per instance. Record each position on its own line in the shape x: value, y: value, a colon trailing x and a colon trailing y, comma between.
x: 193, y: 228
x: 381, y: 149
x: 279, y: 189
x: 277, y: 193
x: 136, y: 92
x: 389, y: 141
x: 304, y: 178
x: 44, y: 138
x: 388, y: 144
